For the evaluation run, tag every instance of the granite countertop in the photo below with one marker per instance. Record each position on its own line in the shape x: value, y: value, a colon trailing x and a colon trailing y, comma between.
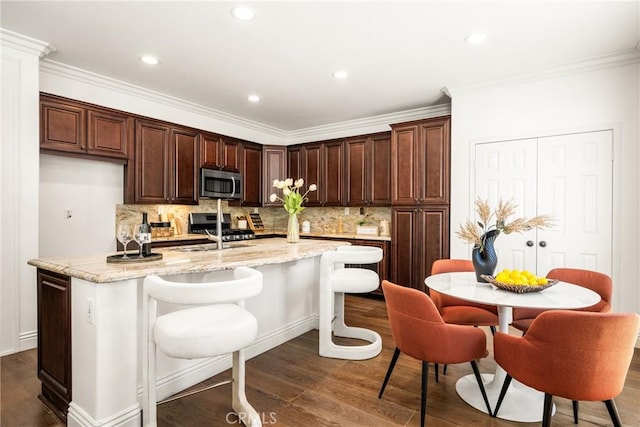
x: 187, y: 259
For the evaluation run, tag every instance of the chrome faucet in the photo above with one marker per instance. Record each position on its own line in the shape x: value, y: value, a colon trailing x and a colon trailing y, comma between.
x: 218, y: 236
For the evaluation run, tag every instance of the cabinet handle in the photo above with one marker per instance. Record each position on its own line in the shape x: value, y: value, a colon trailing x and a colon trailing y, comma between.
x: 543, y: 244
x: 529, y: 243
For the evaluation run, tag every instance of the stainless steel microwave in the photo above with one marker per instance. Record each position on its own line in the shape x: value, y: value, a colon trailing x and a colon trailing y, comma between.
x: 218, y: 184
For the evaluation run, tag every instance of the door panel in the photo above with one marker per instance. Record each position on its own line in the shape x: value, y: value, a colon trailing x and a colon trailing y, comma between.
x: 568, y: 177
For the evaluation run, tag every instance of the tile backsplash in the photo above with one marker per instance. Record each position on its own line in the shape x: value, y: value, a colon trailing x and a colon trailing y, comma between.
x: 322, y: 219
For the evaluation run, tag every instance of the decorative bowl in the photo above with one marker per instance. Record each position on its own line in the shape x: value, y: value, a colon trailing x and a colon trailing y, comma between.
x: 519, y: 289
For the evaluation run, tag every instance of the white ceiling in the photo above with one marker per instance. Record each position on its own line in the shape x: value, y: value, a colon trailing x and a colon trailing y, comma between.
x: 399, y: 54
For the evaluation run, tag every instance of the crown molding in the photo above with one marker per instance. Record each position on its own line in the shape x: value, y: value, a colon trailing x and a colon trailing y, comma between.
x: 371, y: 124
x: 25, y: 44
x: 94, y: 79
x: 611, y: 60
x: 334, y: 130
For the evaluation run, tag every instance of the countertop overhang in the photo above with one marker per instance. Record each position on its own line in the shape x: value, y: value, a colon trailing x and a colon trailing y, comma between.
x: 175, y: 261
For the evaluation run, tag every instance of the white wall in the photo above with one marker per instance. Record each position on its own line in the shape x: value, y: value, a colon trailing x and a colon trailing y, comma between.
x: 589, y: 100
x: 18, y: 191
x: 91, y: 189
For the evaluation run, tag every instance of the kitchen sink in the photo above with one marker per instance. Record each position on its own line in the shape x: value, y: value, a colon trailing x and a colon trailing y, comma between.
x: 212, y: 247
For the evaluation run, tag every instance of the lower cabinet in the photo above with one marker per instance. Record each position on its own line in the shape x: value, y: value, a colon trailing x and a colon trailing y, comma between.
x: 54, y: 341
x: 420, y: 235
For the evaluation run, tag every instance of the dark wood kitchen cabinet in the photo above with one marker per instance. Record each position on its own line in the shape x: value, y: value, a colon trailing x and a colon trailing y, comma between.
x: 166, y: 164
x: 219, y: 152
x: 274, y: 166
x: 420, y: 161
x: 76, y: 128
x: 251, y: 169
x: 368, y: 170
x: 54, y: 340
x: 419, y: 236
x: 320, y: 163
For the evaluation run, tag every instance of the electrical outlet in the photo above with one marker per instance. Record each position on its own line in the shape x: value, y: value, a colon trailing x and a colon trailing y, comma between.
x: 91, y: 308
x: 255, y: 210
x: 346, y: 211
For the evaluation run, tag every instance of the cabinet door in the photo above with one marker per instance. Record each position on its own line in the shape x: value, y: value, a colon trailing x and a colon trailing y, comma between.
x: 404, y: 165
x: 312, y: 166
x: 107, y: 133
x: 434, y: 240
x: 433, y: 154
x: 62, y: 126
x: 332, y: 176
x: 274, y: 164
x: 252, y: 174
x: 210, y: 150
x: 378, y: 180
x: 230, y: 154
x: 152, y: 162
x: 54, y: 340
x: 184, y: 167
x: 294, y: 163
x: 404, y: 236
x: 356, y: 171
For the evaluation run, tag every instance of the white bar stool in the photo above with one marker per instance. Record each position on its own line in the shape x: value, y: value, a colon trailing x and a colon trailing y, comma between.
x: 335, y: 281
x: 221, y: 327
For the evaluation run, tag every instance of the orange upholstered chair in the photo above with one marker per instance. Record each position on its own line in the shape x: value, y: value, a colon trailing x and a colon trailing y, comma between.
x: 572, y: 354
x: 419, y: 332
x: 597, y: 282
x: 458, y: 311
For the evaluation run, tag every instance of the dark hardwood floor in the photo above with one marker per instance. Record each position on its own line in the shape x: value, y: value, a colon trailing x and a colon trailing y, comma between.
x: 292, y: 386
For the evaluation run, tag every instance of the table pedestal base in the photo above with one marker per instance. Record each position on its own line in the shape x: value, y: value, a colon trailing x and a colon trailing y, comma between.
x: 521, y: 403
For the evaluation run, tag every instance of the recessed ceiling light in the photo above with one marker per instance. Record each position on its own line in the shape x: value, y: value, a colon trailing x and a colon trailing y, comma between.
x: 243, y: 13
x: 253, y: 98
x: 341, y: 74
x: 475, y: 38
x: 148, y: 59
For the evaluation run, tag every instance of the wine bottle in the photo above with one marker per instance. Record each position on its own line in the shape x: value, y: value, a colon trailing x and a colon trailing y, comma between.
x: 145, y: 235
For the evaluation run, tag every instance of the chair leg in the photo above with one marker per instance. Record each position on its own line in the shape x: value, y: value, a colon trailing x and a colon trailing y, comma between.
x: 613, y: 412
x: 493, y: 329
x: 503, y: 391
x: 444, y: 370
x: 575, y: 411
x: 423, y: 397
x: 392, y: 364
x: 476, y: 372
x: 239, y: 401
x: 435, y: 365
x: 546, y: 414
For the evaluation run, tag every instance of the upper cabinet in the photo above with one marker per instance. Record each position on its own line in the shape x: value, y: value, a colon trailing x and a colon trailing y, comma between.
x: 166, y: 164
x: 368, y: 170
x: 250, y: 156
x: 274, y: 166
x: 219, y: 152
x: 73, y: 127
x: 420, y: 161
x: 320, y: 163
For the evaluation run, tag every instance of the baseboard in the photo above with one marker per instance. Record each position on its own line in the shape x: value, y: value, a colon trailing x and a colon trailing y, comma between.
x: 28, y: 340
x: 206, y: 368
x: 77, y: 417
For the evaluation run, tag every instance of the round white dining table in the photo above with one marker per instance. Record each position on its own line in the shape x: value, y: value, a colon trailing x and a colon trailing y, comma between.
x: 521, y: 403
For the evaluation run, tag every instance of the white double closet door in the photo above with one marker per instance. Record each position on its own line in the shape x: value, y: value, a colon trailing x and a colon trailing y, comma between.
x: 569, y: 177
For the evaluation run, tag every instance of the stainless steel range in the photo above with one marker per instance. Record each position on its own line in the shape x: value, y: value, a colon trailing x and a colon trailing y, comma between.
x: 205, y: 223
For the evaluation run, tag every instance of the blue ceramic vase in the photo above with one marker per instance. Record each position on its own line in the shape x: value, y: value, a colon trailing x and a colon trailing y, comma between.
x: 486, y: 260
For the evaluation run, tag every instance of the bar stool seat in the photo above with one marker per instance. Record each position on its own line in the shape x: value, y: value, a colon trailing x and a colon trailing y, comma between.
x: 221, y: 327
x: 335, y: 281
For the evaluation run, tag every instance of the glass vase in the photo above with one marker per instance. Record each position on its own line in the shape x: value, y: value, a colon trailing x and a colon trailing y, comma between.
x: 293, y: 231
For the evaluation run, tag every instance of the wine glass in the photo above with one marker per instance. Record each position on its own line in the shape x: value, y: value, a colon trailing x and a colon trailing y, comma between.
x: 140, y: 236
x: 124, y: 236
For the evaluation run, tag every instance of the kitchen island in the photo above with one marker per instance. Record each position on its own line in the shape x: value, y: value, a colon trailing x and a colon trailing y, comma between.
x: 89, y: 354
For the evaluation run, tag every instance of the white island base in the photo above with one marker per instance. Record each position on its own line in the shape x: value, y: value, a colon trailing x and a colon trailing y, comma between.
x: 106, y: 320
